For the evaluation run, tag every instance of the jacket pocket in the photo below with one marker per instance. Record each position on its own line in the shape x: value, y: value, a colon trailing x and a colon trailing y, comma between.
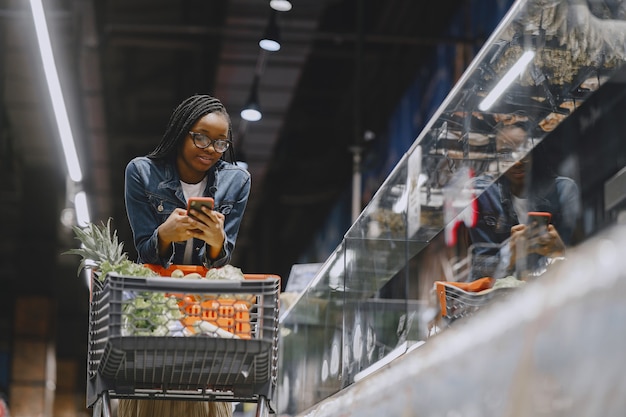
x: 162, y: 207
x: 225, y: 207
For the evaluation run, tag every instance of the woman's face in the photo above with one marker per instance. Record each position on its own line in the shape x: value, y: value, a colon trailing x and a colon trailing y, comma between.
x: 193, y: 162
x: 512, y: 145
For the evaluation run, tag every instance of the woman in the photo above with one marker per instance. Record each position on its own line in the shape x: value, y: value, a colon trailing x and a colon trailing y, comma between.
x: 188, y: 162
x: 504, y: 204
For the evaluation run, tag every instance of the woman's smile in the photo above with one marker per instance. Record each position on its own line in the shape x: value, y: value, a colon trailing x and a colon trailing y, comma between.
x: 206, y: 159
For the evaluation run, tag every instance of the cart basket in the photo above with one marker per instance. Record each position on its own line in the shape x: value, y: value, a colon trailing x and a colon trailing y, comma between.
x: 146, y: 336
x: 462, y: 299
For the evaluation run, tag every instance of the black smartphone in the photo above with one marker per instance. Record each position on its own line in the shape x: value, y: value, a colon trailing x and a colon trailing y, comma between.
x: 197, y: 203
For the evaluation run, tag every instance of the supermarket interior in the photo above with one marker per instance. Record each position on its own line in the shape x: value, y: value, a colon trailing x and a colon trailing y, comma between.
x: 436, y: 221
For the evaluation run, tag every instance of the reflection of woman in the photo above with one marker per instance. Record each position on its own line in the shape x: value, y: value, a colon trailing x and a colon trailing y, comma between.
x: 504, y: 204
x: 188, y: 162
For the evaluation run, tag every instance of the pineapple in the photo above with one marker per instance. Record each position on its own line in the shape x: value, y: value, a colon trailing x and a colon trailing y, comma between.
x: 101, y: 248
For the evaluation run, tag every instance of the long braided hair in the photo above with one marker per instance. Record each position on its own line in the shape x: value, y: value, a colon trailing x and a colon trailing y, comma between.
x: 181, y: 120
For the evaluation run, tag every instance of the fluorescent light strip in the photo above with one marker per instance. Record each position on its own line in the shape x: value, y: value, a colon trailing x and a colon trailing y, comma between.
x: 82, y: 209
x: 54, y: 87
x: 508, y: 78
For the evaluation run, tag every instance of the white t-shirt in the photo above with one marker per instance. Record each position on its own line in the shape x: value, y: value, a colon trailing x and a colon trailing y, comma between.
x: 520, y: 205
x: 191, y: 190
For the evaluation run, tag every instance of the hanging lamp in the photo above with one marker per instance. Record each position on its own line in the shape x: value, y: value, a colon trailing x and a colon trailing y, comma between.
x: 252, y: 110
x: 280, y: 5
x: 271, y: 37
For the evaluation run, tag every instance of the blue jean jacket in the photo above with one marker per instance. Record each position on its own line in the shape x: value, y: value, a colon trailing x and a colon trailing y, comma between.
x: 153, y: 191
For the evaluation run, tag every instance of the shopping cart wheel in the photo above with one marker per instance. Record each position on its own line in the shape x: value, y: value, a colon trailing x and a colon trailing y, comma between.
x: 102, y: 406
x: 262, y: 410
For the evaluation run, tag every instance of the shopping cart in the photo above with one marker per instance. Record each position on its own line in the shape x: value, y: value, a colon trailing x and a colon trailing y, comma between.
x: 463, y: 299
x: 164, y: 338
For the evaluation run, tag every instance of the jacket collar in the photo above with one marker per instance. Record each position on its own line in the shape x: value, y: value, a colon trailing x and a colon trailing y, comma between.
x: 171, y: 179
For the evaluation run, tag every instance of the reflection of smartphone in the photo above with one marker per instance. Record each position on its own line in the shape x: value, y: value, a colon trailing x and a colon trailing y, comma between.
x: 538, y: 222
x: 197, y: 203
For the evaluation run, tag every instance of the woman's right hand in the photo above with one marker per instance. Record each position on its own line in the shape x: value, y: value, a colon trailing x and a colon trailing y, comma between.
x: 178, y: 227
x: 518, y: 236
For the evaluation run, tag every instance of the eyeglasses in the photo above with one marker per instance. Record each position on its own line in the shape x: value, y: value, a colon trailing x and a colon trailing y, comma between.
x: 507, y: 155
x: 202, y: 141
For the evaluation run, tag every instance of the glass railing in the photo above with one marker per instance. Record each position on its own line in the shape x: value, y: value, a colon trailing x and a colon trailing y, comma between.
x: 441, y: 215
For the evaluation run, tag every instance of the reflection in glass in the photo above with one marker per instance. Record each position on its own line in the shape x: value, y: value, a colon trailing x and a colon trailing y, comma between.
x: 376, y: 295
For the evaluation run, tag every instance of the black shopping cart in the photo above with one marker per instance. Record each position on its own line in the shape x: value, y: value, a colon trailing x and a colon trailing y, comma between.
x: 463, y: 299
x: 164, y: 338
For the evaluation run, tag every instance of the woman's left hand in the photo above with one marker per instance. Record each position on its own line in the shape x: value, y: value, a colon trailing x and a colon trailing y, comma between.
x: 549, y: 244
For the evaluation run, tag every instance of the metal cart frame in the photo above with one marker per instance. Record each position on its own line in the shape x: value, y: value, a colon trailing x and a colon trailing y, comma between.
x: 474, y: 278
x: 456, y: 300
x: 122, y: 364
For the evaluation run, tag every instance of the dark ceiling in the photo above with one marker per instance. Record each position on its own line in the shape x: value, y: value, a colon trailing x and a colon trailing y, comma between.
x: 124, y: 65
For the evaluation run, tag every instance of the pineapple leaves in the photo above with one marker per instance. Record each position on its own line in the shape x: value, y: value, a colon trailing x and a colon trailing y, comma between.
x: 102, y: 250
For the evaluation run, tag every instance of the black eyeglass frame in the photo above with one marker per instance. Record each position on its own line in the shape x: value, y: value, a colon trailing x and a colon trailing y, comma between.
x: 511, y: 156
x: 215, y: 142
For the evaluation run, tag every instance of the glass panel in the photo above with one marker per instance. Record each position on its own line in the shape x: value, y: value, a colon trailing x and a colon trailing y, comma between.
x: 447, y: 211
x: 312, y: 340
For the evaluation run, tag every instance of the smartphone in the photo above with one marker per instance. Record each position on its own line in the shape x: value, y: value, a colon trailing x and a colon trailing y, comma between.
x: 197, y: 203
x: 538, y: 222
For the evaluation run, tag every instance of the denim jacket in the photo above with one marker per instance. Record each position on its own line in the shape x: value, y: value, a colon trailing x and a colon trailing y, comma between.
x: 496, y: 214
x: 153, y: 191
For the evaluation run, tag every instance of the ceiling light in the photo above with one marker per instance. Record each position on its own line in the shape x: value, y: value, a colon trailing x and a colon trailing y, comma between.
x: 506, y: 81
x: 54, y: 88
x: 271, y: 37
x: 280, y: 5
x: 82, y: 209
x: 252, y: 111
